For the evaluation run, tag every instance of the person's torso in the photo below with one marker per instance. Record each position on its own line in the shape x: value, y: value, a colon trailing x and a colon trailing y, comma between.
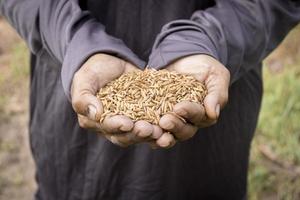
x: 137, y: 22
x: 73, y: 163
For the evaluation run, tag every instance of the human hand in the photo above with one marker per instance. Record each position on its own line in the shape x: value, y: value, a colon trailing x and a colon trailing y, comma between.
x: 216, y: 78
x: 94, y: 74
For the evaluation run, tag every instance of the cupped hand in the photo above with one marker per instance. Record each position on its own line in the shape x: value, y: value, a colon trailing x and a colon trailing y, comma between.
x: 216, y: 78
x: 94, y: 74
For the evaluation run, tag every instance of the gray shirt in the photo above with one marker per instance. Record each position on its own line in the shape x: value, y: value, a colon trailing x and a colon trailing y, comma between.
x: 73, y: 163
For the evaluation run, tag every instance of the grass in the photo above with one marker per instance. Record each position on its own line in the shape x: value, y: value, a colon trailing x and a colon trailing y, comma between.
x: 20, y: 63
x: 281, y: 112
x: 275, y: 156
x: 14, y: 74
x: 14, y: 79
x: 279, y: 131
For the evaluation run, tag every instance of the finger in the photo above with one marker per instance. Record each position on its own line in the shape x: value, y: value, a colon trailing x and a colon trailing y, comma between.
x: 115, y: 141
x: 181, y: 130
x: 144, y: 135
x: 212, y: 105
x: 84, y: 101
x: 86, y: 123
x: 94, y: 74
x: 206, y: 123
x: 117, y: 124
x: 142, y: 129
x: 157, y: 132
x: 167, y: 140
x: 217, y: 85
x: 141, y: 132
x: 125, y: 139
x: 193, y: 112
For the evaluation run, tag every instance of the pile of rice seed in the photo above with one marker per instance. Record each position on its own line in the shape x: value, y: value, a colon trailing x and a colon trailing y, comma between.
x: 149, y: 94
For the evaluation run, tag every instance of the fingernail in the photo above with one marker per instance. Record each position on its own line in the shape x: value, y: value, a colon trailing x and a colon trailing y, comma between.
x: 165, y: 143
x: 92, y: 111
x: 218, y: 110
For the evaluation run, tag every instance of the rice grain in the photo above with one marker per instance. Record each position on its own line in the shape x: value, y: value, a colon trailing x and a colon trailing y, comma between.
x: 149, y: 94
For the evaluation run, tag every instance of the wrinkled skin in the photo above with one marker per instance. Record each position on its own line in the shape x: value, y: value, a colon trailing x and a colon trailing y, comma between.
x: 95, y: 73
x: 100, y: 69
x: 216, y: 78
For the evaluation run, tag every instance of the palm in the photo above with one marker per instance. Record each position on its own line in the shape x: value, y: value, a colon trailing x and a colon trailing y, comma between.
x: 216, y: 78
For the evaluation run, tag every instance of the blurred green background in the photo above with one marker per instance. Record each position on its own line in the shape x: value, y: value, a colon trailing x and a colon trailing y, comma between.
x: 275, y: 157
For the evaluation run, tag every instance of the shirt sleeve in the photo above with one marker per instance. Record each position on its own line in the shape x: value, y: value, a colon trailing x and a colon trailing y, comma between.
x: 239, y: 33
x: 66, y: 31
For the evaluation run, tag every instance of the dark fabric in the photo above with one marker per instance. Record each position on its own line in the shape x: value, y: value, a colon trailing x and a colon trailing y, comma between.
x: 237, y: 32
x: 73, y: 163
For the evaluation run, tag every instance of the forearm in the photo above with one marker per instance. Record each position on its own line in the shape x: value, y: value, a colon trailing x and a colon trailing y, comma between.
x: 23, y: 16
x: 68, y: 33
x: 238, y: 33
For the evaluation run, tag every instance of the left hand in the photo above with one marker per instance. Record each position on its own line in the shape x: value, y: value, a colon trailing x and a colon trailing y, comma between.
x: 94, y: 74
x: 216, y: 78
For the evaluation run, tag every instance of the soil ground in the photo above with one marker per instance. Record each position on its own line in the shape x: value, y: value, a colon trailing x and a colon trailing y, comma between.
x: 16, y: 164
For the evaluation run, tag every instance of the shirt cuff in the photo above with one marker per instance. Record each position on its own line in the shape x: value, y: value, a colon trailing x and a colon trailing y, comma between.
x: 88, y: 40
x: 179, y: 39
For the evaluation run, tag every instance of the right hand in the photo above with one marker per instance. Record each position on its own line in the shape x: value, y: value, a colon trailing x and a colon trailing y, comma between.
x: 94, y: 74
x: 216, y: 77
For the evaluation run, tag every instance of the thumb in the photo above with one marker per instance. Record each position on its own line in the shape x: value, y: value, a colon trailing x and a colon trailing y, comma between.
x: 217, y: 84
x: 84, y: 102
x: 216, y: 98
x: 212, y: 105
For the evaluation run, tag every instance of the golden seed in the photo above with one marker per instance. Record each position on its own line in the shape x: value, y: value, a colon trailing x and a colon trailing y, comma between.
x: 149, y: 94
